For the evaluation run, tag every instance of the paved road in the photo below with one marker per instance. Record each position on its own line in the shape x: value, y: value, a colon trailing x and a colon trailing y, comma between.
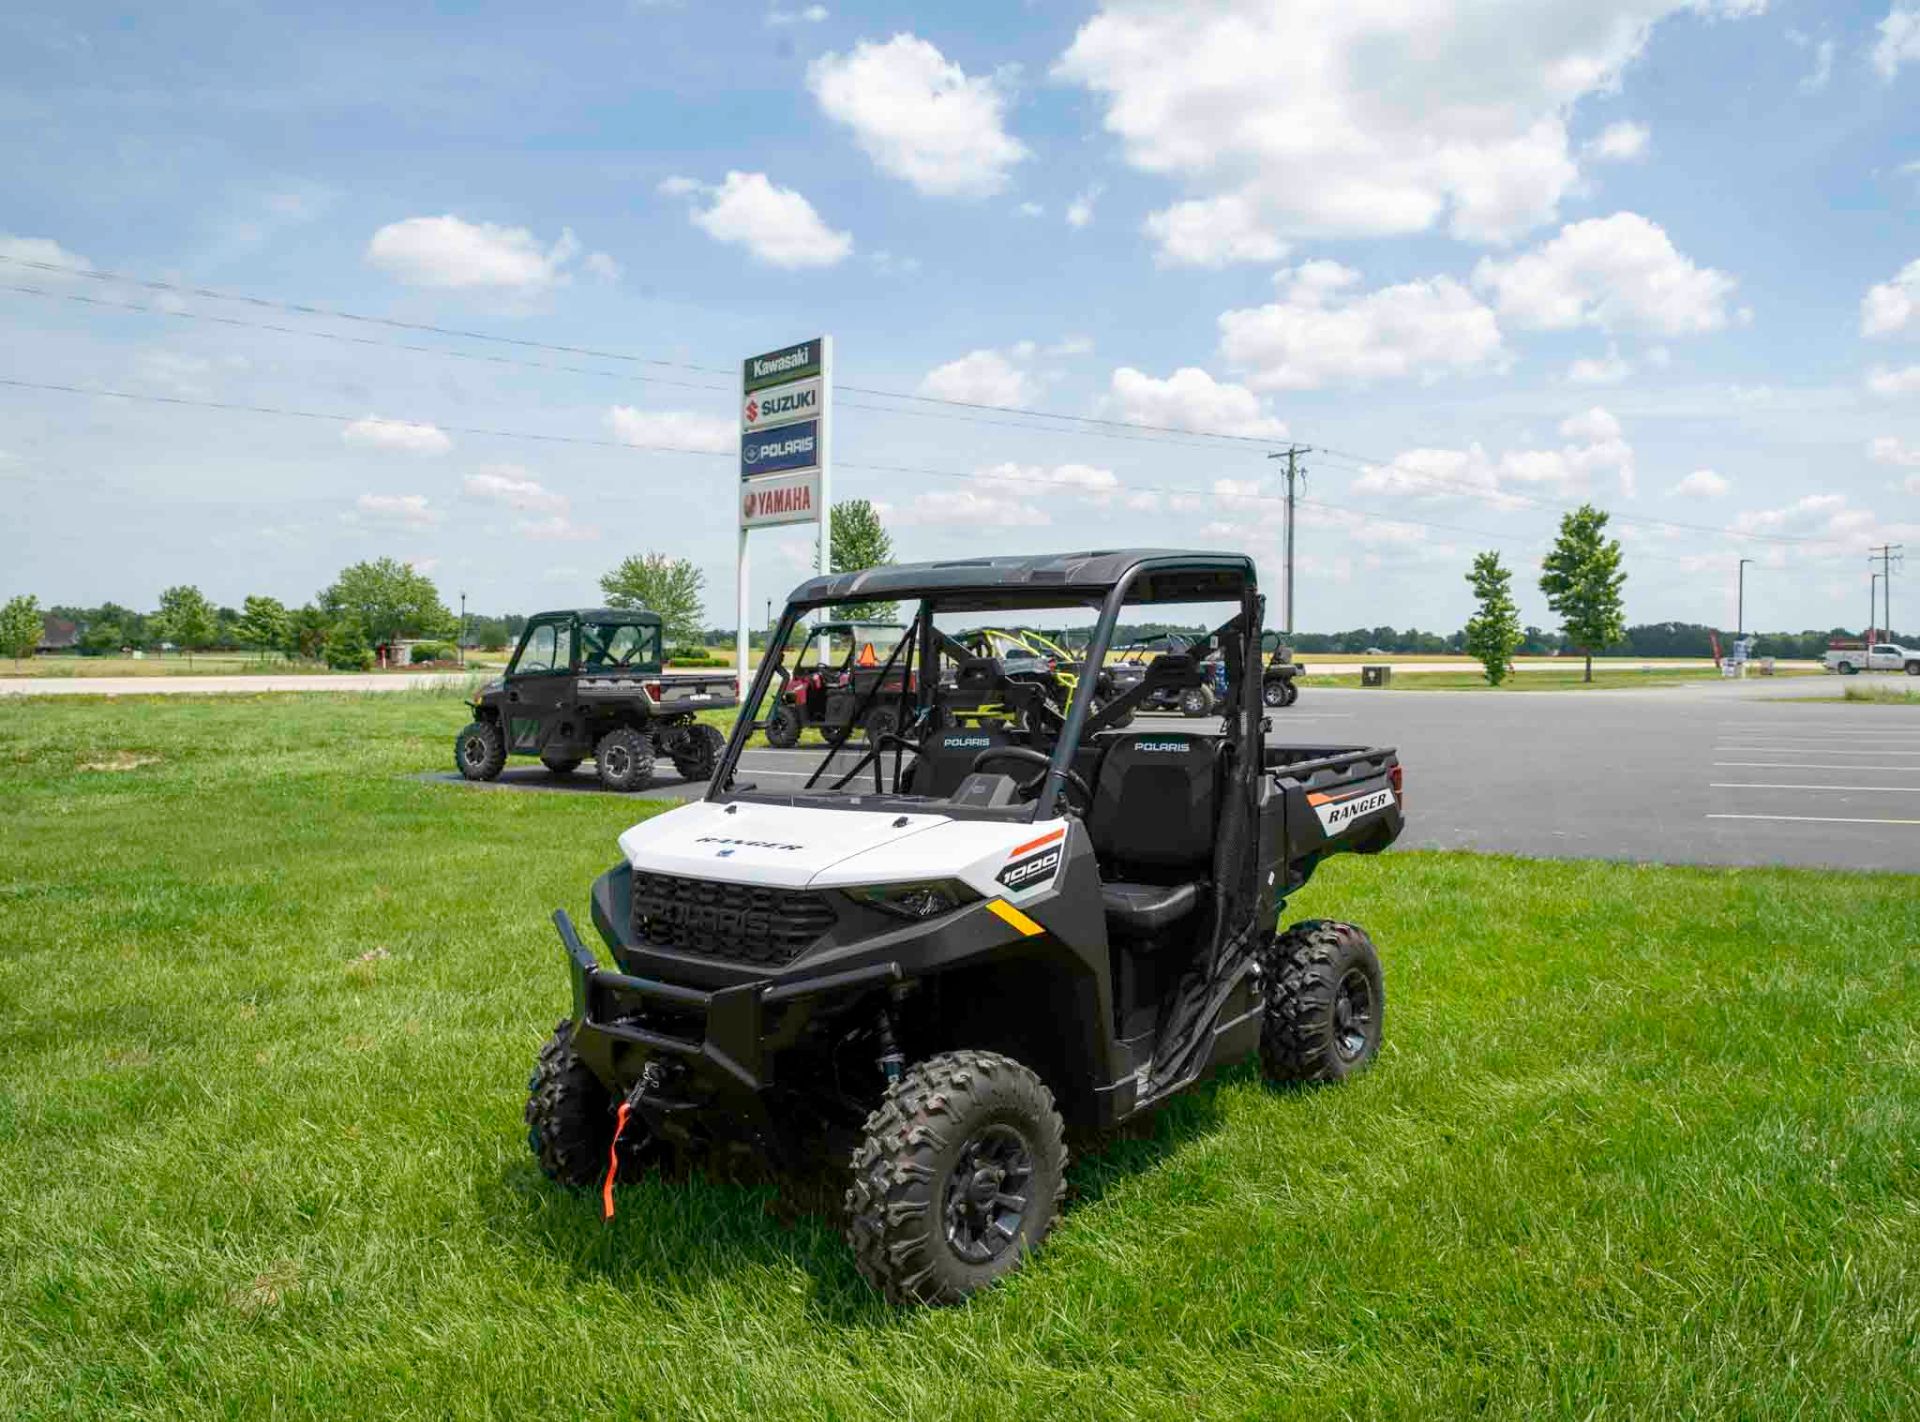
x: 1736, y: 774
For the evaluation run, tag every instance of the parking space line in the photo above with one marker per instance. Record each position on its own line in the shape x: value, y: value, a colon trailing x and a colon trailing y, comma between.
x: 1810, y: 765
x: 1818, y: 819
x: 1766, y: 785
x: 1811, y: 750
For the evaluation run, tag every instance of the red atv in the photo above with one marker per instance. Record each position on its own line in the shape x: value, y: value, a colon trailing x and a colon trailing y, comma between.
x: 838, y: 664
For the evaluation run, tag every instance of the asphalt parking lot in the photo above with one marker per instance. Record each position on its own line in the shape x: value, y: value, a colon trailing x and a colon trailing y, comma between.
x: 1738, y: 774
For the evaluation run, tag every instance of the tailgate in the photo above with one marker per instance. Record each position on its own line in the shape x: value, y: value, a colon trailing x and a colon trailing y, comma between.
x: 1333, y: 799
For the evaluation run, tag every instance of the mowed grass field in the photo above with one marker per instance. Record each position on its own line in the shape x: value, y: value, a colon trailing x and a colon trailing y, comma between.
x: 1643, y: 1142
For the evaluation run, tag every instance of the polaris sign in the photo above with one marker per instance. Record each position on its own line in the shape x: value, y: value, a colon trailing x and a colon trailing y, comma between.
x: 781, y: 450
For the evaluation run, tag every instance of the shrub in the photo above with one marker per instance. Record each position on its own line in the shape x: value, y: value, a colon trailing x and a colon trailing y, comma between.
x: 434, y: 652
x: 346, y: 649
x: 690, y: 654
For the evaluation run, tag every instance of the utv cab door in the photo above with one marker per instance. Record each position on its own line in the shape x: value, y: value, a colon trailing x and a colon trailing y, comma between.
x: 540, y: 686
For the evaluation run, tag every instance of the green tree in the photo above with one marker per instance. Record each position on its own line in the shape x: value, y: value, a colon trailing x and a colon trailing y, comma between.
x: 263, y: 624
x: 1494, y: 629
x: 20, y: 626
x: 185, y: 619
x: 668, y: 586
x: 1582, y: 579
x: 346, y: 647
x: 386, y: 599
x: 307, y: 630
x: 860, y: 540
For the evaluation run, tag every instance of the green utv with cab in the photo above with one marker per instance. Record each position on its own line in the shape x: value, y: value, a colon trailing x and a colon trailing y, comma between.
x: 920, y: 960
x: 589, y: 683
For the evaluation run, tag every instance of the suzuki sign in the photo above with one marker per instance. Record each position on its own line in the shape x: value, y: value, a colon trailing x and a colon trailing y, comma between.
x: 779, y: 404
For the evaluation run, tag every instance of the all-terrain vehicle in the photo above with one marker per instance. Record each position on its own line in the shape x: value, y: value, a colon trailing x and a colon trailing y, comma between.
x: 836, y: 664
x: 942, y: 950
x: 589, y: 683
x: 1279, y: 682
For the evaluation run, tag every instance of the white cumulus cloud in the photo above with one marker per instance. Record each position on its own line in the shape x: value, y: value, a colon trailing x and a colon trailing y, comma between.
x: 451, y: 253
x: 1702, y: 484
x: 1609, y: 369
x: 412, y: 510
x: 1899, y: 41
x: 776, y: 225
x: 1894, y: 383
x: 984, y: 377
x: 401, y: 436
x: 1893, y: 307
x: 674, y: 429
x: 1618, y: 273
x: 1622, y: 142
x: 513, y: 486
x: 1891, y: 449
x: 1191, y: 399
x: 919, y: 116
x: 1213, y: 232
x: 1319, y: 333
x: 1595, y: 445
x: 41, y: 253
x: 1363, y: 117
x: 972, y: 508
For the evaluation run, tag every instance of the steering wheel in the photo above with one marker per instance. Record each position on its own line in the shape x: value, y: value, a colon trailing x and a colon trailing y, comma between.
x: 1030, y: 789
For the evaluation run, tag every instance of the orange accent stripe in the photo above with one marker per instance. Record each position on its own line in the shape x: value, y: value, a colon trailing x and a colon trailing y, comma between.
x: 1320, y: 797
x: 613, y: 1161
x: 1007, y: 913
x: 1036, y: 843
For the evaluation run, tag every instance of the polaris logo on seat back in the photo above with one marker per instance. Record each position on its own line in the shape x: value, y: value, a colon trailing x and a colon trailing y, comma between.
x: 965, y: 742
x: 1161, y: 747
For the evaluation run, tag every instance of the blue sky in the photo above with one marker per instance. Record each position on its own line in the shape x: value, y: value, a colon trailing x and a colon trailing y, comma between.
x: 1489, y: 261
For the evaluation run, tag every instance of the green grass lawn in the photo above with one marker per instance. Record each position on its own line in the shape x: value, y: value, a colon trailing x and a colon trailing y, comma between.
x: 1882, y: 693
x: 1643, y: 1142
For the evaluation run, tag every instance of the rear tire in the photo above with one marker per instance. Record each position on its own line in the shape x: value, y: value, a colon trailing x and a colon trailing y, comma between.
x: 1326, y: 1003
x: 1196, y: 701
x: 1844, y: 668
x: 480, y: 751
x: 959, y: 1176
x: 1274, y: 693
x: 700, y: 753
x: 1913, y: 668
x: 624, y: 759
x: 881, y: 721
x: 561, y: 764
x: 783, y: 727
x: 569, y: 1114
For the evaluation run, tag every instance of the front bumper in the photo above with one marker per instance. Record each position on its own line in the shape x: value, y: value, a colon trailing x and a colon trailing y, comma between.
x: 719, y: 1034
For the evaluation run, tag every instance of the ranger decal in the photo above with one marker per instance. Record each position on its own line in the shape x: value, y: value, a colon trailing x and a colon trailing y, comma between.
x: 1336, y: 812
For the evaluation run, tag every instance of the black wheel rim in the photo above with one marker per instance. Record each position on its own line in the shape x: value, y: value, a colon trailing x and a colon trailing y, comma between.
x: 619, y: 762
x: 985, y: 1204
x: 475, y: 750
x: 1354, y: 1015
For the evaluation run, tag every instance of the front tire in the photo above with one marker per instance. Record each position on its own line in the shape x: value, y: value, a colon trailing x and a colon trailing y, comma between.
x: 881, y: 721
x: 1196, y: 701
x: 959, y: 1176
x: 624, y: 759
x: 1845, y: 668
x: 1274, y: 693
x: 700, y: 753
x: 480, y: 751
x: 569, y: 1113
x: 783, y: 727
x: 1913, y: 668
x: 1326, y: 1003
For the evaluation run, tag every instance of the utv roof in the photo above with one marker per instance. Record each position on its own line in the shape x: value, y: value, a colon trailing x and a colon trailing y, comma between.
x: 1039, y: 580
x: 639, y: 616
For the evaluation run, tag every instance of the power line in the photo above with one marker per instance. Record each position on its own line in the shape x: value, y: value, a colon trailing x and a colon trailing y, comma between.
x: 1020, y: 479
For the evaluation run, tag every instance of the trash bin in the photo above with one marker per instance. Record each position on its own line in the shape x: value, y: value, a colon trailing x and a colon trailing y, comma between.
x: 1376, y: 676
x: 1766, y: 666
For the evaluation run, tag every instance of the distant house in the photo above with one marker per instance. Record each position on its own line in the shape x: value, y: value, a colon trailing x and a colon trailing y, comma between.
x: 57, y: 634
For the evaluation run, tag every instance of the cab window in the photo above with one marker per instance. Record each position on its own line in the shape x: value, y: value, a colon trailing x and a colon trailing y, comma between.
x: 606, y: 645
x: 544, y: 650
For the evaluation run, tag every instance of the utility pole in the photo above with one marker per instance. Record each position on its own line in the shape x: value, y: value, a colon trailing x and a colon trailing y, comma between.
x: 1887, y: 553
x: 1873, y: 607
x: 1740, y: 604
x: 463, y: 631
x: 1292, y: 455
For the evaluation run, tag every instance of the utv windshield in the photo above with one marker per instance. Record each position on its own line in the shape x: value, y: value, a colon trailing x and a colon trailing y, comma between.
x: 1002, y: 719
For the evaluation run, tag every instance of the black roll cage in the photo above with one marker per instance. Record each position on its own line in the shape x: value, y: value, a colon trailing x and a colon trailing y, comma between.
x: 1238, y: 640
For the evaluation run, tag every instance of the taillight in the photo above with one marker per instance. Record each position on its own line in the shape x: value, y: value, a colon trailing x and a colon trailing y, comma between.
x: 652, y: 689
x: 1393, y: 779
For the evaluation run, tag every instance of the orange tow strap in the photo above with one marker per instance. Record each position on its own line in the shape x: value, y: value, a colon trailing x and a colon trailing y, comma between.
x: 613, y: 1161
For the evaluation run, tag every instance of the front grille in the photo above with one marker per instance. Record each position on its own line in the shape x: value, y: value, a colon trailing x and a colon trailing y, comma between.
x: 740, y: 923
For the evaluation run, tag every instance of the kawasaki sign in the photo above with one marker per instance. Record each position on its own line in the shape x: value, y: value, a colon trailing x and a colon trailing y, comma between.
x: 789, y: 363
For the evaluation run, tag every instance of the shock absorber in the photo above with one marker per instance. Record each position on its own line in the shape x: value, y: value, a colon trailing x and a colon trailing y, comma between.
x: 892, y: 1061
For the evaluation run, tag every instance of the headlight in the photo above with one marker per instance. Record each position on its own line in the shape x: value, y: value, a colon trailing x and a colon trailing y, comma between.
x: 922, y: 900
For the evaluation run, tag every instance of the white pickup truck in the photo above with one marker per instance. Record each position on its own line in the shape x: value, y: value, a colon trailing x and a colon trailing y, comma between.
x: 1880, y: 656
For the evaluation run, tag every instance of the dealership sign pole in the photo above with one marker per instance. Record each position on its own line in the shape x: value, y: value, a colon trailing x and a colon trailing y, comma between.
x: 786, y: 408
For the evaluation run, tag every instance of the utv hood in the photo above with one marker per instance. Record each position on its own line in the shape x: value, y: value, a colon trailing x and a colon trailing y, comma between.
x: 780, y: 845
